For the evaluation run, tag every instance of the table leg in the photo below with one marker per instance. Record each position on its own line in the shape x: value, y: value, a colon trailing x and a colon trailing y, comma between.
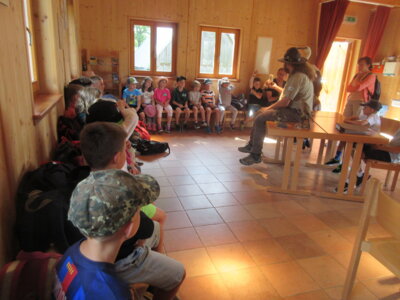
x: 288, y: 163
x: 345, y: 167
x: 278, y: 147
x: 355, y: 167
x: 296, y: 166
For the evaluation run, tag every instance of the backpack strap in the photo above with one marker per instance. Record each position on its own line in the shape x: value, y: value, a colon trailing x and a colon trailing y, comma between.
x: 9, y: 276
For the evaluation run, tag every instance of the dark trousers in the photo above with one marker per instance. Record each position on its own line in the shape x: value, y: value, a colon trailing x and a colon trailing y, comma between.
x: 370, y: 153
x: 259, y: 130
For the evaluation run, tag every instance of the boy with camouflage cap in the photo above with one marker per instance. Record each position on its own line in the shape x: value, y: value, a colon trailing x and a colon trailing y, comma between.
x: 105, y: 208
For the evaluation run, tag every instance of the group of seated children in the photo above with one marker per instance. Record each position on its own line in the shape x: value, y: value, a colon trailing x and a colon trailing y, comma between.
x: 113, y: 209
x: 151, y: 102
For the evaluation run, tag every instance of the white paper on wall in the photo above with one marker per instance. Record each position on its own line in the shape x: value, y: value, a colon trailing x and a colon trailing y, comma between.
x: 263, y: 54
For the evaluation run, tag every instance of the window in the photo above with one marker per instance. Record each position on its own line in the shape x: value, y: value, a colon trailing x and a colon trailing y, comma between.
x: 153, y: 48
x: 30, y: 41
x: 218, y: 52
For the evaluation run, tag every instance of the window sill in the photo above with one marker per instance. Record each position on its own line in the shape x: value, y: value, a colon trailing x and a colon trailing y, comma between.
x: 216, y: 79
x: 43, y: 103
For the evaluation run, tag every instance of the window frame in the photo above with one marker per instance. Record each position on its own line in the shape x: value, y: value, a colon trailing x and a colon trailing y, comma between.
x: 29, y: 29
x: 218, y: 31
x: 153, y: 47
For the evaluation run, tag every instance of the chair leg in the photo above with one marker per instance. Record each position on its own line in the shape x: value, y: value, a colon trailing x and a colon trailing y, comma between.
x: 366, y: 174
x: 351, y: 273
x: 394, y: 182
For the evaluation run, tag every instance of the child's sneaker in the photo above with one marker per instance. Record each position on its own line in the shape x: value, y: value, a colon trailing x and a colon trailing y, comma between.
x: 332, y: 161
x: 196, y: 126
x: 232, y: 126
x: 168, y: 129
x: 160, y: 130
x: 208, y: 129
x: 204, y: 124
x: 338, y: 169
x: 217, y: 129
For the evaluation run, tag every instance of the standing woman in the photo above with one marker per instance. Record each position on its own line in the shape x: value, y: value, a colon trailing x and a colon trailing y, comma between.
x: 294, y: 105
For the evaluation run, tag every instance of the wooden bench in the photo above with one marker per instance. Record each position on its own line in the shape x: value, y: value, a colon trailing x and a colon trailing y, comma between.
x: 388, y: 126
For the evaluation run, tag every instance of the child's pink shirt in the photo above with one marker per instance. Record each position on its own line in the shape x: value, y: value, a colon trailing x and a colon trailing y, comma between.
x: 162, y: 96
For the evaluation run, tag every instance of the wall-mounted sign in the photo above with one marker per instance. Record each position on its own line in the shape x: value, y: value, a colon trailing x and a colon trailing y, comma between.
x: 350, y: 19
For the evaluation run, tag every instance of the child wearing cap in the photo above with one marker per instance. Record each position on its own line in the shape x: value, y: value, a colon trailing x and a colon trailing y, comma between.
x: 103, y: 146
x: 368, y: 117
x: 180, y: 102
x: 225, y: 100
x: 133, y: 97
x: 210, y: 106
x: 148, y: 104
x: 162, y: 97
x: 195, y: 104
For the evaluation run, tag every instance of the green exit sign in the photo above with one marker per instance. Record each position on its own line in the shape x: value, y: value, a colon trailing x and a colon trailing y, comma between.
x: 350, y: 19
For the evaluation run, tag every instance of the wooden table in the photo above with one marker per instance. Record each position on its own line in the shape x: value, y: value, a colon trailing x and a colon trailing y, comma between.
x: 322, y: 127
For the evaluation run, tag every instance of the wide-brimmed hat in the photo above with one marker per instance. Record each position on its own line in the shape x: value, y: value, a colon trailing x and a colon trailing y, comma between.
x: 163, y: 78
x: 374, y: 104
x: 293, y: 56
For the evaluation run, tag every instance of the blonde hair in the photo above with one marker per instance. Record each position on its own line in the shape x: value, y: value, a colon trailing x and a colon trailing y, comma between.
x: 196, y: 83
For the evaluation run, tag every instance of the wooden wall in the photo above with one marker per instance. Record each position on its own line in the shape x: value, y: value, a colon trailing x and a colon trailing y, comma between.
x: 104, y: 27
x: 390, y: 45
x: 23, y: 142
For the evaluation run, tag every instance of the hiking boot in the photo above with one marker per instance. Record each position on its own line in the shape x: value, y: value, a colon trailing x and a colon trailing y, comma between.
x: 208, y: 129
x: 338, y: 169
x: 245, y: 149
x: 251, y: 159
x: 196, y: 126
x: 332, y: 161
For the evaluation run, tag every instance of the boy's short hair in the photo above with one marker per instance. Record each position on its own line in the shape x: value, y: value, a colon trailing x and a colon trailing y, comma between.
x: 374, y: 104
x: 256, y: 79
x: 100, y: 141
x: 104, y: 110
x: 367, y: 60
x: 180, y: 78
x: 107, y: 200
x: 196, y: 83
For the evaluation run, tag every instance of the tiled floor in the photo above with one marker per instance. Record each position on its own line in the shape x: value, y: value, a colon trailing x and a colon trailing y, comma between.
x: 239, y: 241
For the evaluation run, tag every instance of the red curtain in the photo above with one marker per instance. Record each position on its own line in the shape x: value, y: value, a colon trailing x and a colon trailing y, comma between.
x: 377, y: 24
x: 331, y: 17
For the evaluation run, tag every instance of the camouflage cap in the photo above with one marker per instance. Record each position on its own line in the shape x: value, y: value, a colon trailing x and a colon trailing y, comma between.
x: 106, y: 200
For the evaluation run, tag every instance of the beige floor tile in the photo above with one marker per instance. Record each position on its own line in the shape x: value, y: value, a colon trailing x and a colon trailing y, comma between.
x: 289, y: 278
x: 181, y: 239
x: 300, y: 246
x: 187, y: 190
x: 162, y: 181
x: 308, y: 223
x: 195, y: 202
x: 248, y: 197
x: 205, y: 216
x: 249, y: 284
x: 279, y: 226
x: 334, y: 219
x: 315, y: 295
x: 289, y: 208
x: 175, y: 171
x: 222, y: 199
x: 263, y: 210
x: 196, y: 262
x: 387, y: 287
x: 169, y: 204
x: 331, y: 241
x: 180, y: 180
x: 205, y: 178
x: 230, y: 257
x: 213, y: 235
x: 199, y: 170
x: 243, y: 185
x: 266, y: 251
x: 167, y: 192
x: 204, y: 287
x: 177, y: 219
x: 326, y: 271
x: 213, y: 188
x: 248, y: 231
x: 234, y: 213
x: 359, y: 292
x: 315, y: 205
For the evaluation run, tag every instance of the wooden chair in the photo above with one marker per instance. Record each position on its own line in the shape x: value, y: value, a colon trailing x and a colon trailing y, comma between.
x: 386, y: 211
x: 383, y: 166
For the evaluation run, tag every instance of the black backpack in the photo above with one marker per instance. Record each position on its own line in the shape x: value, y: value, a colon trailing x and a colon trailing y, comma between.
x: 239, y: 102
x: 146, y: 147
x: 377, y: 91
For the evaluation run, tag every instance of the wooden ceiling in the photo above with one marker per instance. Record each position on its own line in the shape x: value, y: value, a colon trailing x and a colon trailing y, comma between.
x: 393, y: 3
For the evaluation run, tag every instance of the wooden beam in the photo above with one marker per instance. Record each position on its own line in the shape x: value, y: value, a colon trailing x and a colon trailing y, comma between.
x: 389, y: 3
